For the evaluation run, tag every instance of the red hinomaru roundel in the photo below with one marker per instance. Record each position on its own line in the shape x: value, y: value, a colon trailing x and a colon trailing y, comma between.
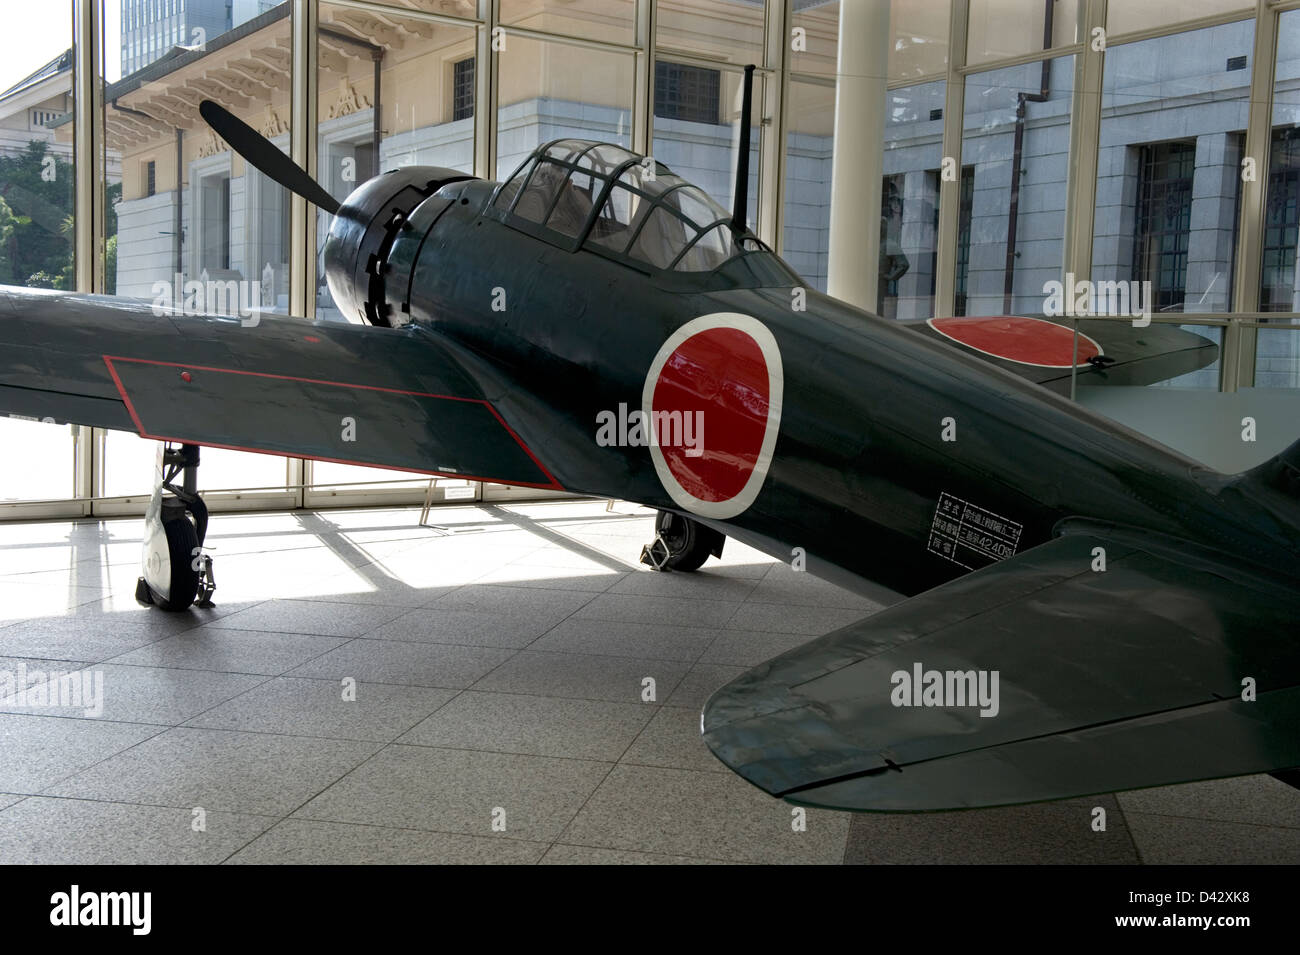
x: 1017, y: 338
x: 720, y: 373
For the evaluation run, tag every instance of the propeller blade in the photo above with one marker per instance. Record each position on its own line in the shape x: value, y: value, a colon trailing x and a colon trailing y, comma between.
x: 261, y: 153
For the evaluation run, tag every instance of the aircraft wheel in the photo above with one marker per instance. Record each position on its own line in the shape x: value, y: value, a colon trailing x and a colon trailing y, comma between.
x: 182, y: 539
x: 689, y: 543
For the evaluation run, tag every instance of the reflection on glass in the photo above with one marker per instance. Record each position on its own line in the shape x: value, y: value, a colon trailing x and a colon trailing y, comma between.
x: 697, y: 130
x: 195, y: 228
x: 36, y: 174
x: 909, y: 205
x: 1002, y: 28
x: 426, y: 97
x: 552, y: 90
x: 1277, y: 351
x: 909, y: 201
x: 1169, y: 168
x: 613, y: 21
x: 1128, y: 17
x: 814, y: 36
x: 426, y: 74
x: 1203, y: 379
x: 920, y: 38
x: 727, y: 30
x: 809, y: 142
x: 1277, y: 357
x: 1015, y: 139
x: 211, y: 218
x: 1279, y: 282
x: 36, y: 211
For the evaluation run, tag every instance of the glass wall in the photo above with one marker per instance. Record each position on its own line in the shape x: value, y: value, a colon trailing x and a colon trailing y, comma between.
x: 550, y: 89
x: 909, y: 202
x: 814, y: 37
x: 697, y: 128
x: 728, y: 31
x: 420, y: 76
x: 919, y: 30
x: 1004, y: 28
x: 188, y: 213
x: 912, y: 142
x: 1015, y: 141
x: 809, y: 144
x: 1169, y: 175
x: 37, y: 215
x: 612, y: 21
x: 1169, y: 166
x: 1155, y: 14
x: 1277, y: 352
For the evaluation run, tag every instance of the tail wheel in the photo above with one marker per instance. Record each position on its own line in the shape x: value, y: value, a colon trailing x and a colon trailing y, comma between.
x: 688, y: 542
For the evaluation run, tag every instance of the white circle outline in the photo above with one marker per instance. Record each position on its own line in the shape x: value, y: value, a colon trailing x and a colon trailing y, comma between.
x: 758, y: 332
x: 1029, y: 318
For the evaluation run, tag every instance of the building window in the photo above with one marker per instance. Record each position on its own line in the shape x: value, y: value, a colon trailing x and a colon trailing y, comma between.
x: 150, y: 178
x: 367, y: 160
x: 966, y: 203
x: 462, y: 89
x: 1281, y: 217
x: 691, y: 93
x: 43, y: 117
x: 1164, y: 219
x: 214, y: 231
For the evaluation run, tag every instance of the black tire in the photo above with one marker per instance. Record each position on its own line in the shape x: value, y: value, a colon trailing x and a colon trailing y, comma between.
x: 182, y: 538
x: 689, y: 544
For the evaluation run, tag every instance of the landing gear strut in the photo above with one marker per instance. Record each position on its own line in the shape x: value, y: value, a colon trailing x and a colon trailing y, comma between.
x: 681, y: 543
x: 176, y: 571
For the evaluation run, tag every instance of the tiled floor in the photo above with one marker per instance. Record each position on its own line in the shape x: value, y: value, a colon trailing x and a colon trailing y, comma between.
x: 498, y: 670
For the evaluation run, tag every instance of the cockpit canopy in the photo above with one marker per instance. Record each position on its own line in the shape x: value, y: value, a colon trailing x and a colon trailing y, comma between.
x: 606, y: 198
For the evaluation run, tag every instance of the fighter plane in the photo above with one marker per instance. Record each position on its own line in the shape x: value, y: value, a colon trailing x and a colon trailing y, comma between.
x: 1086, y: 610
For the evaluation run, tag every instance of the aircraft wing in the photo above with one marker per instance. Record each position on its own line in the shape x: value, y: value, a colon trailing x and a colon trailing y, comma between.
x: 1107, y: 680
x: 397, y: 398
x: 1043, y: 349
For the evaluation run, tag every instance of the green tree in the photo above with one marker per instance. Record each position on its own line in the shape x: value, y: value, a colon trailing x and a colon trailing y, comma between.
x: 8, y: 224
x: 37, y: 237
x: 38, y: 187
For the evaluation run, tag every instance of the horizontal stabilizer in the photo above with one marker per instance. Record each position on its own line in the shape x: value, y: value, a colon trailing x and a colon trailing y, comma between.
x: 1106, y: 351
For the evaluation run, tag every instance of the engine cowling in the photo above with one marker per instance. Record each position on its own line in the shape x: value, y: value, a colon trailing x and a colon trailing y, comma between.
x: 363, y: 232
